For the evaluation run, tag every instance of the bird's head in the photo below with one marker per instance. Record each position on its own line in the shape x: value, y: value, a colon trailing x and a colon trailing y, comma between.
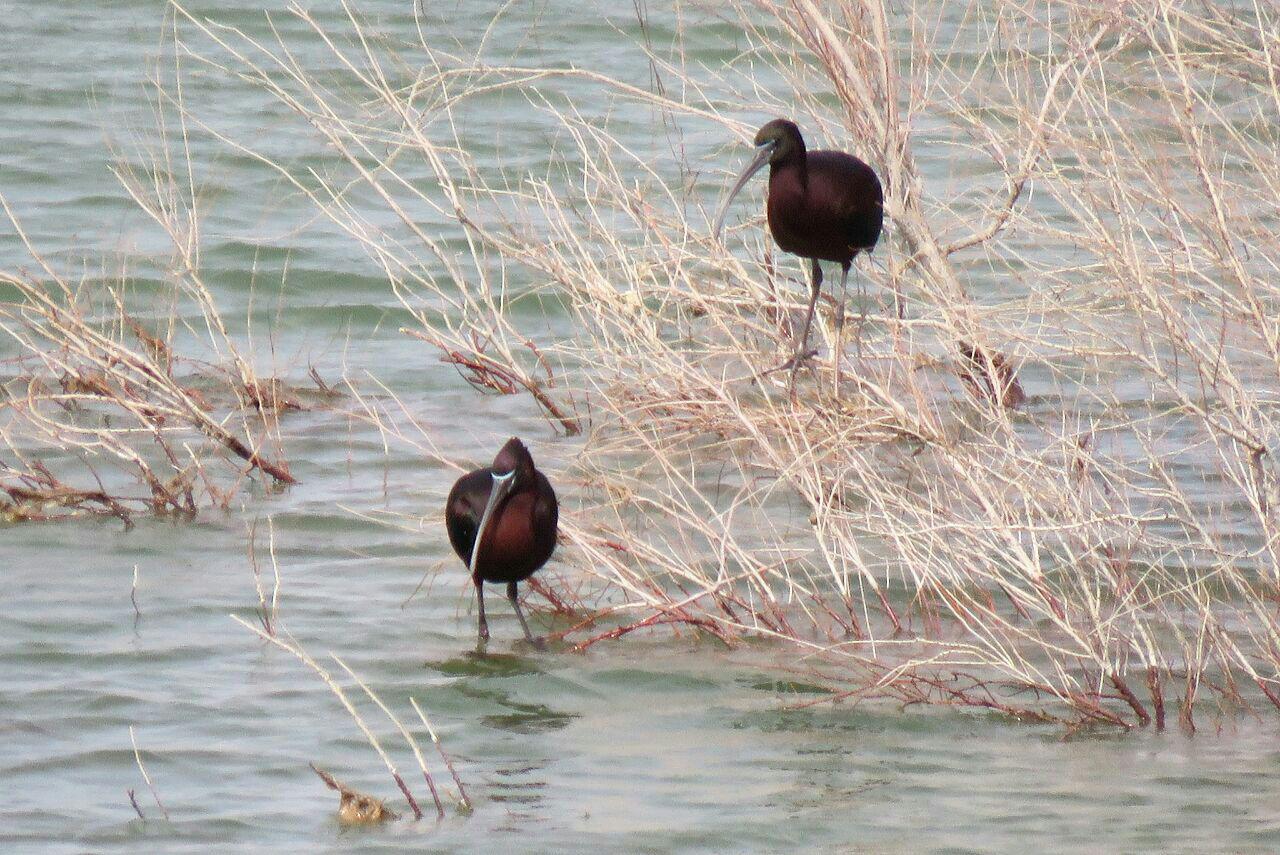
x: 781, y: 139
x: 514, y: 460
x: 776, y: 142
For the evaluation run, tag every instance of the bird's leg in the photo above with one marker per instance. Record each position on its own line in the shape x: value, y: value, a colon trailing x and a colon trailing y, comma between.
x: 862, y: 313
x: 515, y: 604
x: 840, y: 312
x: 899, y: 303
x: 803, y: 353
x: 483, y: 624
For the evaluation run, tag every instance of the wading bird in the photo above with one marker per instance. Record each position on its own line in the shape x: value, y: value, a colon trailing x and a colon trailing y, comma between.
x: 823, y: 206
x: 502, y: 523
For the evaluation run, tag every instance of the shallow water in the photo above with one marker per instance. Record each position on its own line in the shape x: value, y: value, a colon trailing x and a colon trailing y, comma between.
x: 646, y: 744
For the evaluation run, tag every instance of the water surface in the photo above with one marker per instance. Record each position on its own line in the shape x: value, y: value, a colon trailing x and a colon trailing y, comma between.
x: 647, y: 744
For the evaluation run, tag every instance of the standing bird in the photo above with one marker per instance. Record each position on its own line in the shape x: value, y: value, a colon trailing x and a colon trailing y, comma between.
x: 823, y: 205
x: 502, y: 523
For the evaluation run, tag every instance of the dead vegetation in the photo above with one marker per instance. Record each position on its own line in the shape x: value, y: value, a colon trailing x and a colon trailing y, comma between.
x: 1034, y: 476
x: 354, y: 807
x: 97, y: 407
x: 128, y: 395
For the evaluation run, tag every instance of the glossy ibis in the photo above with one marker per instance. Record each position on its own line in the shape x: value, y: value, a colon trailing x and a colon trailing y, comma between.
x: 823, y: 206
x: 502, y: 523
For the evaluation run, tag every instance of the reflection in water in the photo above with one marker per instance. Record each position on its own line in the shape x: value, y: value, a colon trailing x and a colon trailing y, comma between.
x: 476, y: 664
x: 529, y: 718
x: 519, y: 717
x: 519, y: 784
x: 785, y: 687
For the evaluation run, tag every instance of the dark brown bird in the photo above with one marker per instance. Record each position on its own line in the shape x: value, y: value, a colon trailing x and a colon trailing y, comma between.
x: 823, y: 206
x: 502, y: 523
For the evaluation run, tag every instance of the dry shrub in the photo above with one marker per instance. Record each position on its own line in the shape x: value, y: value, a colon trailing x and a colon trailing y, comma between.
x: 1103, y: 550
x: 117, y: 382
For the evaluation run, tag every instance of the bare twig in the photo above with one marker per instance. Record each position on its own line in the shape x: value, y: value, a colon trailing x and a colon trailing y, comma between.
x: 137, y: 756
x: 463, y: 799
x: 133, y: 800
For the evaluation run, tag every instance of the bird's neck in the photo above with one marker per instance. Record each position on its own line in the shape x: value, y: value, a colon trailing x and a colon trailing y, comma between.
x: 791, y: 171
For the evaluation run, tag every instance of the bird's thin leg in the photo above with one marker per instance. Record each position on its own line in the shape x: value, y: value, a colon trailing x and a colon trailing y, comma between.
x: 840, y: 313
x: 803, y: 353
x: 899, y: 303
x: 483, y: 624
x: 862, y: 314
x: 515, y: 604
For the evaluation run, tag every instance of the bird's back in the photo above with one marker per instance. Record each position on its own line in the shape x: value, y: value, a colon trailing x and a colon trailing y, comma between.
x: 836, y: 213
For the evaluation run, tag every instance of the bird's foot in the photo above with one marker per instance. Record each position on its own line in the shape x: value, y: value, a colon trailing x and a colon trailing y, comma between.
x: 793, y: 366
x: 794, y: 363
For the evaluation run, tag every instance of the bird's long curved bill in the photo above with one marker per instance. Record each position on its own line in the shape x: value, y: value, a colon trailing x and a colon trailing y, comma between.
x: 760, y: 159
x: 501, y: 484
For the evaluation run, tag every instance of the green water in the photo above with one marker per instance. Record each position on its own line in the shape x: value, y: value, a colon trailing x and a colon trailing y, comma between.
x: 645, y: 744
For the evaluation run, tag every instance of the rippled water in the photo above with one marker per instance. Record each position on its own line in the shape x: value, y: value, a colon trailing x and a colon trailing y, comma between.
x: 642, y: 745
